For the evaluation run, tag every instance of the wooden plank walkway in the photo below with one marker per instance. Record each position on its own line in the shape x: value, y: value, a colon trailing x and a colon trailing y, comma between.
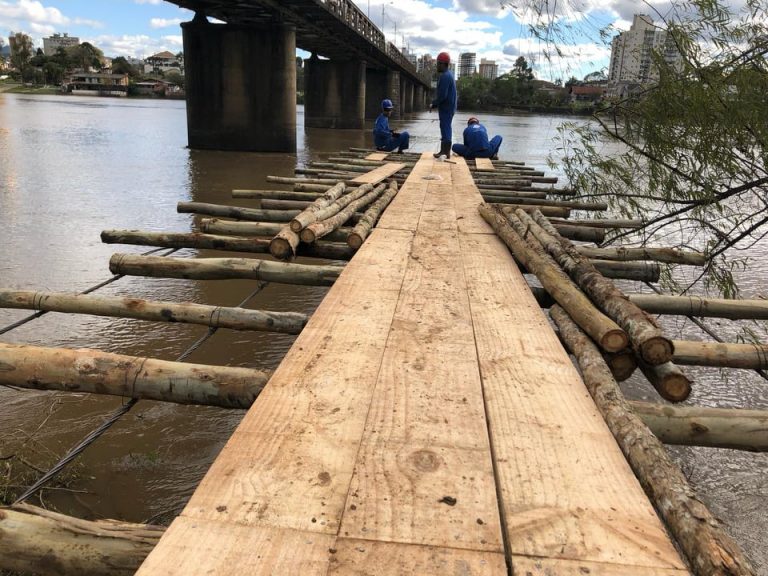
x: 484, y: 164
x: 426, y: 422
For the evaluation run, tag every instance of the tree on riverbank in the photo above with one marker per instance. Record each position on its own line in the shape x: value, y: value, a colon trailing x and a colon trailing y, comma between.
x: 21, y: 53
x: 515, y: 88
x: 694, y: 163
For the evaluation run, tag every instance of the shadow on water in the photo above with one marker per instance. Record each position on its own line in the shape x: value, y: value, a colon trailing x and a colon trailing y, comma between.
x: 71, y: 166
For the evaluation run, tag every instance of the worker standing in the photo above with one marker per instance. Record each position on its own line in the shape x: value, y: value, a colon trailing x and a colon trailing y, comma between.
x: 445, y: 102
x: 384, y: 138
x: 476, y: 143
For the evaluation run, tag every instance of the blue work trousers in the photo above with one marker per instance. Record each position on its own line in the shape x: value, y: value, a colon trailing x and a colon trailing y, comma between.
x: 490, y: 152
x: 446, y: 119
x: 399, y: 142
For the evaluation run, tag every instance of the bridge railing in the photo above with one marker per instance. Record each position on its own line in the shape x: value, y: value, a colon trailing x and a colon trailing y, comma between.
x: 349, y: 13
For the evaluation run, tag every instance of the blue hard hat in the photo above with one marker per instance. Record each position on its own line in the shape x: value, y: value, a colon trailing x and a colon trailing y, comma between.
x: 386, y: 104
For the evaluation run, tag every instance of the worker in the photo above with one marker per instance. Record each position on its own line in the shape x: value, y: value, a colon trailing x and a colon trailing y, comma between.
x: 385, y: 139
x: 476, y: 144
x: 445, y: 102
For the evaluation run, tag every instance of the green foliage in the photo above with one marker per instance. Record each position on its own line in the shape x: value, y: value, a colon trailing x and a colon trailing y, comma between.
x: 121, y: 66
x: 85, y: 56
x: 474, y: 92
x: 21, y: 53
x: 688, y: 153
x: 175, y: 78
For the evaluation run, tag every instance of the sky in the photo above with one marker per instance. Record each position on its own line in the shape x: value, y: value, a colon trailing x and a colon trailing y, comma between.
x: 140, y: 28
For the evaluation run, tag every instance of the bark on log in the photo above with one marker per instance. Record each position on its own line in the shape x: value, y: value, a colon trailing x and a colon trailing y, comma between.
x: 320, y: 210
x: 269, y: 204
x: 266, y: 229
x: 509, y: 195
x: 363, y: 228
x: 667, y: 255
x: 668, y: 380
x: 607, y: 223
x: 327, y: 250
x: 321, y: 228
x: 723, y: 355
x: 50, y: 544
x: 582, y: 233
x: 223, y: 269
x: 602, y: 329
x: 704, y: 307
x: 253, y: 214
x: 97, y: 372
x: 546, y: 210
x: 597, y: 206
x: 707, y: 547
x: 734, y: 428
x: 644, y: 334
x: 309, y: 187
x: 641, y: 271
x: 275, y: 195
x: 184, y: 312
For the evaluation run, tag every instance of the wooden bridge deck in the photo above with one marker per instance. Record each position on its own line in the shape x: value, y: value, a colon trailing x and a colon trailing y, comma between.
x: 426, y: 421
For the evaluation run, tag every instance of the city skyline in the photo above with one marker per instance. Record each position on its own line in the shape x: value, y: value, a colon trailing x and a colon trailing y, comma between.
x: 140, y: 28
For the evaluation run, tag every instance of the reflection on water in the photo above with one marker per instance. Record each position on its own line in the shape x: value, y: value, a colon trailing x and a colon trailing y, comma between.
x: 72, y: 166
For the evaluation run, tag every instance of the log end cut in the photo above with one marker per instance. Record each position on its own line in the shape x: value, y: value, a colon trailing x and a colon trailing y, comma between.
x: 614, y: 340
x: 657, y: 350
x: 675, y: 388
x: 281, y: 249
x: 354, y: 241
x: 622, y: 364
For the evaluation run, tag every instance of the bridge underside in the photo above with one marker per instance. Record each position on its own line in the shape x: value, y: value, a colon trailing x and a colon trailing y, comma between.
x: 241, y: 84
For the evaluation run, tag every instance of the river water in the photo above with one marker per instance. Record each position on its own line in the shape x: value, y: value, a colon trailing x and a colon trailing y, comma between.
x: 73, y: 166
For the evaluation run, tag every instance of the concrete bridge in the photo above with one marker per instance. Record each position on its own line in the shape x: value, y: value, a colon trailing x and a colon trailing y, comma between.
x: 241, y: 75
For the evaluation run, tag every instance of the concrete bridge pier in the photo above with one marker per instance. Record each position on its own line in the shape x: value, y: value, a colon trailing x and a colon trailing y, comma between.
x: 418, y: 98
x: 334, y: 93
x: 375, y: 91
x: 406, y: 95
x: 241, y: 86
x: 393, y: 93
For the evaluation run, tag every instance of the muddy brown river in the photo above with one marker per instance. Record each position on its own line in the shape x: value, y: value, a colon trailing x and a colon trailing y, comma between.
x: 73, y: 166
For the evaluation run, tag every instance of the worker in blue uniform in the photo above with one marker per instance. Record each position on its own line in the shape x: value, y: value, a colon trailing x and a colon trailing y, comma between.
x: 445, y: 102
x: 385, y: 139
x: 476, y: 143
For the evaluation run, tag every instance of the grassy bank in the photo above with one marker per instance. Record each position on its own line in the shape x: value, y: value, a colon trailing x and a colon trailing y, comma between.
x: 20, y: 89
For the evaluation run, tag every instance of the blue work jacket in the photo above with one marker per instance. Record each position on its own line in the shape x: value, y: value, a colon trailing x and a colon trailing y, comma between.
x: 381, y: 131
x: 445, y: 99
x: 476, y: 138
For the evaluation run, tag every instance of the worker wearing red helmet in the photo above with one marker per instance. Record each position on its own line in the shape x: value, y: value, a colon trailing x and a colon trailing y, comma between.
x: 476, y: 143
x: 445, y: 102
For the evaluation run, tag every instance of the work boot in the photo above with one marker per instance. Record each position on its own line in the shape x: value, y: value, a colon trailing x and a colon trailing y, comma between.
x: 445, y: 150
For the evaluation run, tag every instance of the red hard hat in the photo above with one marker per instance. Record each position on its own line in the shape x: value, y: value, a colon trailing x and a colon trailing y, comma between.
x: 444, y: 57
x: 472, y: 119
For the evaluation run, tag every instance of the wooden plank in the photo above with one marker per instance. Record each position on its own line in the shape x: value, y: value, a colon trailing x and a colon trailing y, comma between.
x: 377, y: 156
x: 404, y: 211
x: 565, y: 488
x: 467, y: 199
x: 424, y: 473
x: 370, y: 558
x: 290, y: 461
x: 484, y: 164
x: 194, y: 546
x: 378, y: 174
x: 549, y: 567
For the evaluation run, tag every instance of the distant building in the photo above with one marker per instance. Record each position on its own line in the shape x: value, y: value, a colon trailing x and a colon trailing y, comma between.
x: 53, y: 43
x: 425, y: 65
x: 163, y: 62
x: 412, y: 58
x: 632, y: 55
x: 586, y: 94
x: 488, y: 69
x: 467, y: 64
x: 98, y: 84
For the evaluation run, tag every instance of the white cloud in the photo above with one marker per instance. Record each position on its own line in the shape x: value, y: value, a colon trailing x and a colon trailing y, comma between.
x: 137, y: 46
x: 164, y: 22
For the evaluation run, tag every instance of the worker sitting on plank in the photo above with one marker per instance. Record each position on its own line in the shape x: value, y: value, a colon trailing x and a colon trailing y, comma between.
x: 385, y: 139
x: 476, y: 144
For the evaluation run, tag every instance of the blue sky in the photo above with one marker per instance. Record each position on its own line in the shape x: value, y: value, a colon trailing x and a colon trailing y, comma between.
x: 141, y: 28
